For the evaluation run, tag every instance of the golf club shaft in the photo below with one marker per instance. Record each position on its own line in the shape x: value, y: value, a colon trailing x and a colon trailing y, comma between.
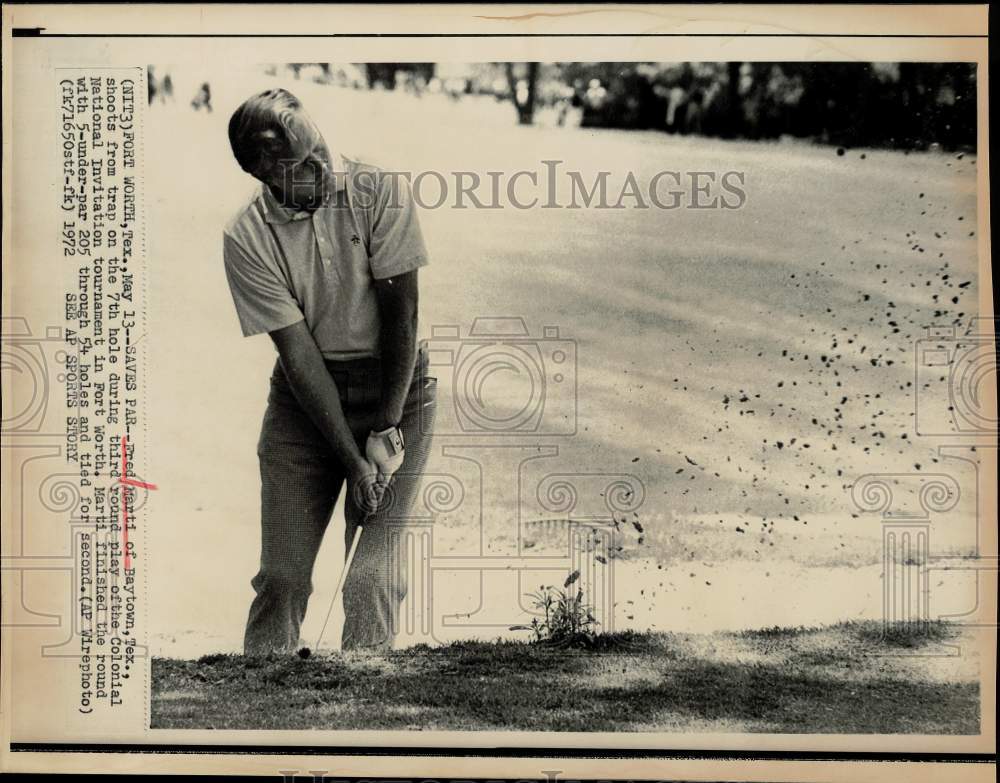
x: 343, y: 576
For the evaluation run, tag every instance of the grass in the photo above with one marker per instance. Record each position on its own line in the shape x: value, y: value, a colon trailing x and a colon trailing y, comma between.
x: 847, y: 678
x: 910, y: 636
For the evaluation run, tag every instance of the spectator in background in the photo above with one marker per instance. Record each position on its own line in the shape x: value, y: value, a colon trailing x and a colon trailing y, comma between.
x: 693, y: 112
x: 203, y: 98
x: 167, y: 88
x: 151, y: 83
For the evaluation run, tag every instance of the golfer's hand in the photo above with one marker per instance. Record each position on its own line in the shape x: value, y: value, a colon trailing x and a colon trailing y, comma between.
x: 366, y: 486
x: 384, y: 449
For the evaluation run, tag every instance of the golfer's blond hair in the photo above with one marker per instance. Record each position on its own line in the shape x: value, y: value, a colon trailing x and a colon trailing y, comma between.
x: 261, y: 129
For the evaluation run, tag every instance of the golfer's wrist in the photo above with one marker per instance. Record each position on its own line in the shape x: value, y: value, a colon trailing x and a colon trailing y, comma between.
x: 359, y: 467
x: 385, y: 421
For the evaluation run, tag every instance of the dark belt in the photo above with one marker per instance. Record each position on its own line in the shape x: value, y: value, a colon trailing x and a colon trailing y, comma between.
x: 371, y: 363
x: 358, y: 380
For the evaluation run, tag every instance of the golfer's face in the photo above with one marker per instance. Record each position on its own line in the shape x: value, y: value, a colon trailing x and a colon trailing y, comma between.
x: 301, y: 176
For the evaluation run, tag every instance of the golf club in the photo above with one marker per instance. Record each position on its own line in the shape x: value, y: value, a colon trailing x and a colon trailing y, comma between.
x: 347, y: 567
x: 343, y: 575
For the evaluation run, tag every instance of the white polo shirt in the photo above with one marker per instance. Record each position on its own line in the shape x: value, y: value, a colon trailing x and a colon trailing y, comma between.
x: 285, y: 265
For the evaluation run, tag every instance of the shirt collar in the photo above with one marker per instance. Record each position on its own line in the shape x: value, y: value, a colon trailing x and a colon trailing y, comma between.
x: 275, y: 212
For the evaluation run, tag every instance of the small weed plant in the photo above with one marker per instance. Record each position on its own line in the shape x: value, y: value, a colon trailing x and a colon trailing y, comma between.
x: 567, y: 620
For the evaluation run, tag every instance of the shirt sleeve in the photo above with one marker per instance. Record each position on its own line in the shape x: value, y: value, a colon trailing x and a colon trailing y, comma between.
x: 397, y: 244
x: 263, y: 301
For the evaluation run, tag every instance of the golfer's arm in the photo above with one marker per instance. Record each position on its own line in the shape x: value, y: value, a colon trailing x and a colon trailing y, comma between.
x: 397, y: 302
x: 316, y: 391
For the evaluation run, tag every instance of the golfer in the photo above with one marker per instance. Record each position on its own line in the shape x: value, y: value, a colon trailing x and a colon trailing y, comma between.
x: 324, y: 259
